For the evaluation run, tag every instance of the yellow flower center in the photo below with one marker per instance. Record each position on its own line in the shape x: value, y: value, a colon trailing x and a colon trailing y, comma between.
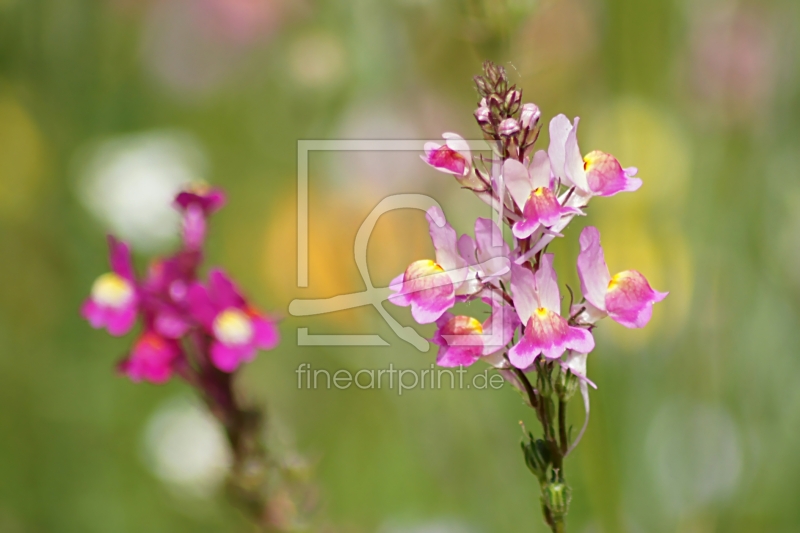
x: 539, y: 191
x: 542, y: 312
x: 616, y: 279
x: 233, y: 326
x: 112, y: 290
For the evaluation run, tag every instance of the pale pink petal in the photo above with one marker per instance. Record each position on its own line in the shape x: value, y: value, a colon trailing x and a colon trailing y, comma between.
x: 445, y: 240
x: 517, y: 180
x: 456, y: 142
x: 523, y: 291
x: 467, y: 249
x: 573, y: 163
x: 429, y: 290
x: 499, y: 328
x: 559, y: 131
x: 592, y: 269
x: 540, y: 170
x: 546, y: 283
x: 489, y: 240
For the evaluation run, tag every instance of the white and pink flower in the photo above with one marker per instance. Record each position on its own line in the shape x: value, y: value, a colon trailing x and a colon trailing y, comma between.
x: 538, y: 303
x: 626, y: 296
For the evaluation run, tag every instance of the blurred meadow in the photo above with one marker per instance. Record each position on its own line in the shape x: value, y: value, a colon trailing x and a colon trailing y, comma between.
x: 106, y: 107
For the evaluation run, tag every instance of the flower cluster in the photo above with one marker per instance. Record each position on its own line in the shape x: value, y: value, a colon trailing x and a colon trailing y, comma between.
x: 187, y: 325
x: 536, y: 193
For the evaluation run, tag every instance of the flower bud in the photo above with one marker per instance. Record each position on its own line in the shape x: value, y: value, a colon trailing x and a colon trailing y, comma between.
x: 530, y: 116
x: 556, y: 497
x: 513, y: 98
x: 509, y: 127
x: 564, y: 384
x: 482, y: 114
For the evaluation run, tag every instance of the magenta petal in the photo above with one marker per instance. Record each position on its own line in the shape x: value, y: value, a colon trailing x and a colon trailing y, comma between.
x: 171, y: 325
x: 120, y: 258
x: 120, y: 322
x: 580, y: 340
x: 266, y: 333
x: 523, y: 354
x: 592, y: 269
x: 450, y: 356
x: 630, y: 299
x: 223, y: 291
x: 92, y: 312
x: 525, y: 228
x: 605, y: 175
x: 228, y: 358
x: 200, y: 305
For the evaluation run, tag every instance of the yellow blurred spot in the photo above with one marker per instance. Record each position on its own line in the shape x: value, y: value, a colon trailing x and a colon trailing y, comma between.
x: 21, y: 159
x: 641, y: 230
x: 399, y: 238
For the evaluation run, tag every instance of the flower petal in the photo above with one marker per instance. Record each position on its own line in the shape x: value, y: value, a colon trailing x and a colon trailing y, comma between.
x: 630, y: 299
x: 445, y: 240
x: 559, y: 131
x: 592, y: 269
x: 573, y: 162
x: 120, y: 258
x: 517, y: 180
x: 266, y: 332
x: 223, y: 291
x: 546, y: 282
x: 605, y: 175
x: 540, y: 170
x: 523, y: 291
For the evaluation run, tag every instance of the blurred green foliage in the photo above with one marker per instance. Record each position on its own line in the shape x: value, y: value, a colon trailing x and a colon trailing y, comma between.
x: 696, y: 422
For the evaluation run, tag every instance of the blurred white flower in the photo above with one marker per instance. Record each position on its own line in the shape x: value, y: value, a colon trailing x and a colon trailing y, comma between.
x: 129, y: 182
x: 695, y: 455
x: 185, y: 447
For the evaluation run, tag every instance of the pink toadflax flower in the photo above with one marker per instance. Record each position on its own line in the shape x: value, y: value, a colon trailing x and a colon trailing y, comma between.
x: 462, y: 266
x: 531, y: 191
x: 463, y: 340
x: 626, y: 297
x: 114, y: 300
x: 153, y: 358
x: 453, y: 157
x: 596, y: 174
x: 238, y: 329
x: 538, y: 304
x: 197, y: 203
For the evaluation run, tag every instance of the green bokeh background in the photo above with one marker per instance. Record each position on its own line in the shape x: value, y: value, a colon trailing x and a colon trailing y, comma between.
x: 696, y: 423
